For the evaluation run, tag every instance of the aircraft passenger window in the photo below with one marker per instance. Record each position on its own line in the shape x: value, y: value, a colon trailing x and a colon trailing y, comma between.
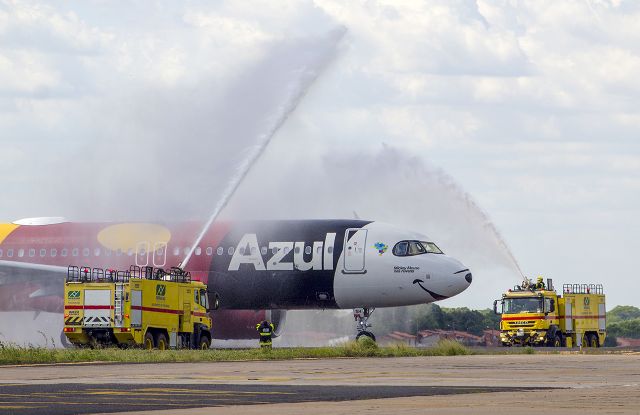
x: 20, y: 253
x: 75, y: 252
x: 0, y: 253
x: 64, y: 252
x: 286, y: 250
x: 9, y: 253
x: 416, y: 248
x: 86, y: 251
x: 231, y: 250
x: 96, y: 252
x: 176, y: 251
x: 130, y: 251
x: 319, y: 250
x: 263, y: 250
x: 209, y: 251
x: 118, y: 252
x: 32, y: 252
x: 54, y: 252
x: 241, y: 250
x: 198, y: 251
x: 254, y: 250
x: 107, y: 252
x: 401, y: 248
x: 43, y: 252
x: 186, y: 251
x: 307, y: 250
x: 330, y: 250
x: 274, y: 250
x: 220, y: 250
x: 297, y: 249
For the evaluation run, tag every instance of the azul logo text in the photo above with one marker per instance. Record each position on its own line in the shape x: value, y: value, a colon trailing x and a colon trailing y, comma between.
x: 249, y: 252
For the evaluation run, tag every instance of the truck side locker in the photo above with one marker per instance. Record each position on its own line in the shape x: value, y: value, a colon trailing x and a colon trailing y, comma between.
x: 568, y: 317
x: 136, y: 308
x: 602, y: 320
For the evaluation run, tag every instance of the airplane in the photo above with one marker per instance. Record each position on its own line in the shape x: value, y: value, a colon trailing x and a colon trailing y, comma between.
x: 255, y: 270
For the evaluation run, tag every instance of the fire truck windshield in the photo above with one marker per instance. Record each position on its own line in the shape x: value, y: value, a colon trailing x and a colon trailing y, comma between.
x: 522, y: 305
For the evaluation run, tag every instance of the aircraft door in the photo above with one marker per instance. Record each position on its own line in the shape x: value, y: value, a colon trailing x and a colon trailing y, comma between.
x: 355, y: 240
x: 142, y: 254
x: 159, y: 254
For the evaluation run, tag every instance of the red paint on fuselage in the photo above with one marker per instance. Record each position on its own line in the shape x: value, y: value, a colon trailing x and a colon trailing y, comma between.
x: 38, y: 244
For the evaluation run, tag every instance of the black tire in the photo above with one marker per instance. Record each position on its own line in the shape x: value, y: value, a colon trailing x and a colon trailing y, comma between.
x: 161, y: 341
x: 205, y: 342
x: 586, y: 340
x: 366, y: 334
x: 149, y: 342
x: 594, y: 341
x: 557, y: 341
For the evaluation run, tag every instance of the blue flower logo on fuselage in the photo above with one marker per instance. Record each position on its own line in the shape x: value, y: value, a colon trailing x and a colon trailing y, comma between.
x: 381, y: 247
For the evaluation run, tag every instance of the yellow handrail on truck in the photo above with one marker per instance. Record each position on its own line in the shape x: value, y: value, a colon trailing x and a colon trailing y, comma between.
x: 142, y: 306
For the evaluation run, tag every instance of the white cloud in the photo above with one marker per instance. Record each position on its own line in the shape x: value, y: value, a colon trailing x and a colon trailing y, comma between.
x: 532, y: 105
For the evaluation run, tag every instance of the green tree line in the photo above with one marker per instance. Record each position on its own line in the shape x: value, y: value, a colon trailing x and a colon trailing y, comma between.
x: 432, y: 316
x: 622, y: 321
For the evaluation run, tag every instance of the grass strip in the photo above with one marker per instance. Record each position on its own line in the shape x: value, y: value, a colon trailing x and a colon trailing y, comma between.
x: 13, y: 354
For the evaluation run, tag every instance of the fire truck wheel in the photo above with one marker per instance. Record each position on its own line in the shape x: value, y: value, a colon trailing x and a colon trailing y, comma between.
x: 557, y: 341
x: 161, y: 341
x: 205, y: 343
x: 148, y: 343
x: 586, y: 340
x: 593, y: 340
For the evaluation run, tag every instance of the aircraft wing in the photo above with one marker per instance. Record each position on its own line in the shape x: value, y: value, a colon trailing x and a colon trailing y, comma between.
x: 50, y: 277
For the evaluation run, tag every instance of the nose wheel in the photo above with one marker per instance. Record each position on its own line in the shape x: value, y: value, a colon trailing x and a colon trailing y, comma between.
x: 361, y: 316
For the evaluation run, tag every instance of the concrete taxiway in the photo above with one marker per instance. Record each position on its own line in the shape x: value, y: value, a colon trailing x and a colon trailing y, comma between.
x: 564, y: 384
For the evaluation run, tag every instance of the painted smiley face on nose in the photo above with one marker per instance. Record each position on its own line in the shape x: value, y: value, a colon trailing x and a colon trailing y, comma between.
x: 431, y: 293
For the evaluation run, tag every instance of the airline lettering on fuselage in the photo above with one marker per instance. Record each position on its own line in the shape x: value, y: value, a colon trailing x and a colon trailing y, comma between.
x: 248, y: 252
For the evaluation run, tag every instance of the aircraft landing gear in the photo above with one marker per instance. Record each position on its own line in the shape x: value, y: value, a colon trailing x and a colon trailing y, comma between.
x: 361, y: 316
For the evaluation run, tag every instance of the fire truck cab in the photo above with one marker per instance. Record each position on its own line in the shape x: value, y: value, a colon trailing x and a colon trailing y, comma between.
x: 144, y: 306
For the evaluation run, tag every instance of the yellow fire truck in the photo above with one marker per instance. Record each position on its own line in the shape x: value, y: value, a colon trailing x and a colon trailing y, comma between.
x: 139, y: 307
x: 536, y: 316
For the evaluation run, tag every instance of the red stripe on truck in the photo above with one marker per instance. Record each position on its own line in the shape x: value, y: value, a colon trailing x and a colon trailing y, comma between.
x: 88, y: 307
x: 156, y: 310
x: 547, y: 318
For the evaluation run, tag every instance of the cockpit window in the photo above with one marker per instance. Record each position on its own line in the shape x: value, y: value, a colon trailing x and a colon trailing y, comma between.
x: 409, y: 248
x: 401, y: 248
x: 416, y: 248
x: 431, y: 248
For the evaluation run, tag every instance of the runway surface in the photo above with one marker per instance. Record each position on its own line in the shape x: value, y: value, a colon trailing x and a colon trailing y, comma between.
x: 565, y: 384
x: 67, y: 398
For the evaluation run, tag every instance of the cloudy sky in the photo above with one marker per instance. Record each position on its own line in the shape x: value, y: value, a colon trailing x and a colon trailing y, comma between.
x: 488, y: 125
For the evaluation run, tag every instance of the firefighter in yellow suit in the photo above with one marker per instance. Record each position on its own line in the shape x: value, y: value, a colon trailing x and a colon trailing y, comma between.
x: 266, y: 332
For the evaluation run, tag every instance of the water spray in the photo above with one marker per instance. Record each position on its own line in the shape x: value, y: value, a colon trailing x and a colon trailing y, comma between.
x: 307, y: 75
